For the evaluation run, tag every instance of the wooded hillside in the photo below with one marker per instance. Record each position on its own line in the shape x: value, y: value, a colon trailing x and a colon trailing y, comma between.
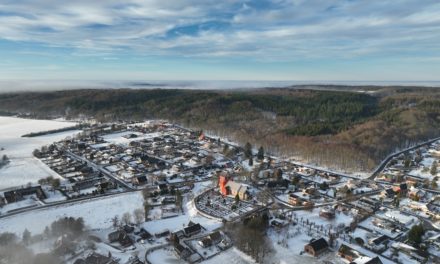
x: 341, y: 129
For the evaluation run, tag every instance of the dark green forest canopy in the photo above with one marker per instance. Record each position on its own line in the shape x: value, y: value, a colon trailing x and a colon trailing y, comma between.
x: 317, y: 112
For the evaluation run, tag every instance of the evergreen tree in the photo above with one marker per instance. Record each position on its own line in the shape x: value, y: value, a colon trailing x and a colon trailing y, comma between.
x: 251, y: 162
x: 260, y: 154
x: 115, y: 221
x: 434, y: 168
x: 248, y: 150
x: 278, y: 174
x: 179, y: 199
x: 407, y: 162
x: 225, y: 149
x: 415, y: 234
x: 26, y: 236
x: 434, y: 184
x: 323, y: 186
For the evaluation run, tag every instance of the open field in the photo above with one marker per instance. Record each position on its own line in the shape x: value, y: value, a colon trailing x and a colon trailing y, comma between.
x: 23, y: 167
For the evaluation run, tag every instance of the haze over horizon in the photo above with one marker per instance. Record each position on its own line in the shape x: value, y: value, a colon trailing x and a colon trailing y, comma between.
x: 292, y: 41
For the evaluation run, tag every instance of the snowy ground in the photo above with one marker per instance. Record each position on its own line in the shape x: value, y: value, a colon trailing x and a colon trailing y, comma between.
x: 424, y: 171
x: 24, y: 168
x: 164, y: 255
x: 176, y: 223
x: 232, y: 255
x: 97, y: 213
x: 28, y: 202
x: 118, y: 138
x: 313, y: 216
x: 54, y: 196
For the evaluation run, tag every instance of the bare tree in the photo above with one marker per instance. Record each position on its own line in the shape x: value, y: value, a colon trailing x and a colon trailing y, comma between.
x: 126, y: 218
x: 115, y: 221
x: 138, y: 216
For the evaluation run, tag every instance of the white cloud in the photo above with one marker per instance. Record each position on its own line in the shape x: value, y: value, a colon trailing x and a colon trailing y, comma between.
x: 277, y: 29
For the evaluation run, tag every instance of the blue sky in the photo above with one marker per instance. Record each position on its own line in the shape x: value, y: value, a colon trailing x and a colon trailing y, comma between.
x: 354, y: 40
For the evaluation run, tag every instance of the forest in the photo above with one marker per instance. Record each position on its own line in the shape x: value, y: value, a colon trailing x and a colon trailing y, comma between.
x: 352, y: 128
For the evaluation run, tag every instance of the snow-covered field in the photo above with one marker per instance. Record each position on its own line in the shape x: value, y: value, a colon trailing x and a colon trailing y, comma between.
x: 20, y: 204
x: 24, y: 168
x: 233, y: 256
x: 118, y: 138
x: 97, y: 213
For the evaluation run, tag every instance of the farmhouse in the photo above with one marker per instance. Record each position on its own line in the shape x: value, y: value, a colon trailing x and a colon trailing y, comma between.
x: 327, y: 212
x: 181, y: 251
x: 316, y: 247
x: 139, y: 180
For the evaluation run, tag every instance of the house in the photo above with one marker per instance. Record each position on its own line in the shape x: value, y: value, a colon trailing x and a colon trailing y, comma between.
x: 121, y: 237
x: 95, y: 258
x: 162, y: 188
x: 18, y: 194
x: 327, y: 212
x: 139, y: 180
x: 169, y: 200
x: 216, y: 237
x: 366, y: 260
x: 311, y: 190
x: 316, y: 247
x: 403, y: 188
x: 164, y: 233
x: 378, y: 243
x: 388, y: 193
x: 348, y: 253
x: 375, y: 260
x: 79, y: 261
x: 128, y: 229
x: 416, y: 194
x: 113, y: 236
x: 205, y: 242
x: 192, y: 230
x: 181, y: 251
x: 276, y: 223
x: 295, y: 200
x: 309, y: 204
x: 144, y: 234
x: 282, y: 184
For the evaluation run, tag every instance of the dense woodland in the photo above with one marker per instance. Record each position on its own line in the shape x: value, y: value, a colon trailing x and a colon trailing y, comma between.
x: 352, y: 129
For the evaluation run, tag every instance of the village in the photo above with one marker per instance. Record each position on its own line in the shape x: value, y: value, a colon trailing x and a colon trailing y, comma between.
x: 156, y: 192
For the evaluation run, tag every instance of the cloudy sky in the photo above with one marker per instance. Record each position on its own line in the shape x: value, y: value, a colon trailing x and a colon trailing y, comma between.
x: 365, y: 40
